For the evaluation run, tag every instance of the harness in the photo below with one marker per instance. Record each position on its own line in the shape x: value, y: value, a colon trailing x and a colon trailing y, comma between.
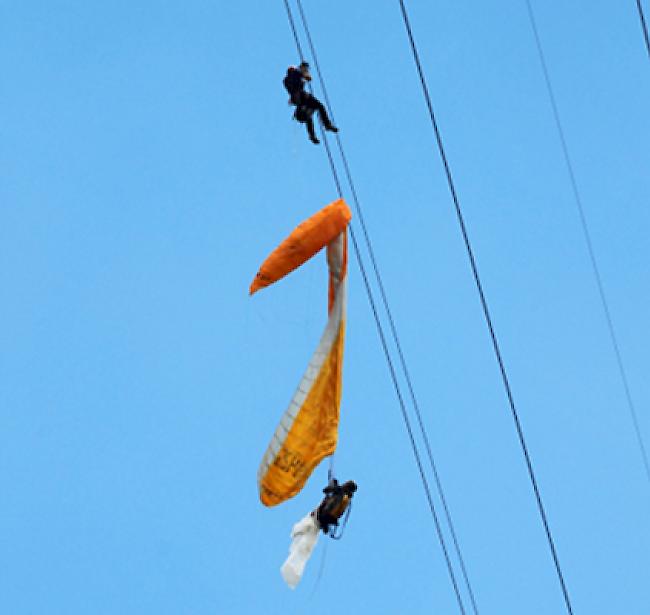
x: 302, y: 114
x: 335, y: 505
x: 332, y: 534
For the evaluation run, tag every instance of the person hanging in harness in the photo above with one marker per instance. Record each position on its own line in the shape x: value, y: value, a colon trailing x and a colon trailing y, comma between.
x: 336, y: 501
x: 305, y: 533
x: 305, y: 103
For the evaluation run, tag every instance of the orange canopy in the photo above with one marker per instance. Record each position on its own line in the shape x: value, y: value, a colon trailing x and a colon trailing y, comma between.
x: 308, y: 430
x: 305, y: 241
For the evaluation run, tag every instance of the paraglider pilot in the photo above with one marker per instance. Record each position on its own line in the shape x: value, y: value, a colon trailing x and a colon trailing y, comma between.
x: 305, y: 533
x: 336, y: 501
x: 305, y: 102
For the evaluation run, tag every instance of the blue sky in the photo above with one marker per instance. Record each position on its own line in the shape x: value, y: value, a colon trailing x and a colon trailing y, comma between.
x: 150, y: 164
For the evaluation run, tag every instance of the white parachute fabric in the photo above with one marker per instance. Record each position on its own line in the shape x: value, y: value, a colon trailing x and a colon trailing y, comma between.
x: 304, y: 537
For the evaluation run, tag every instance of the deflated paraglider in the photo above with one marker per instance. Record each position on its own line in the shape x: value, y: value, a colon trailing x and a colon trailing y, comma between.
x: 308, y: 430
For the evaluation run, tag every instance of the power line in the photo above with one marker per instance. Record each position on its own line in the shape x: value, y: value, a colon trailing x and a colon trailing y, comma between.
x: 588, y: 241
x: 391, y: 321
x: 486, y: 311
x: 644, y: 26
x: 293, y: 30
x: 385, y: 348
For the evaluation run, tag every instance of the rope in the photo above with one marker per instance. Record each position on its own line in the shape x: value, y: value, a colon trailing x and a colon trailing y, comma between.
x: 330, y: 470
x: 321, y: 569
x: 385, y: 349
x: 486, y: 311
x: 644, y: 26
x: 590, y: 247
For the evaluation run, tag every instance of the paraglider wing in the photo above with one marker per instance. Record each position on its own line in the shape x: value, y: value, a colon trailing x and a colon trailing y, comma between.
x: 308, y: 430
x: 304, y: 242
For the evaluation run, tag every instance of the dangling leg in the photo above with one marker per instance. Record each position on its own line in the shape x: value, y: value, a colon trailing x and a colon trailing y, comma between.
x: 313, y: 103
x: 304, y: 115
x: 322, y: 111
x: 310, y: 128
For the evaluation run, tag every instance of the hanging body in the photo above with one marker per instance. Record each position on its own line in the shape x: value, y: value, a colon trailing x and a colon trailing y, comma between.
x: 306, y: 103
x: 335, y: 504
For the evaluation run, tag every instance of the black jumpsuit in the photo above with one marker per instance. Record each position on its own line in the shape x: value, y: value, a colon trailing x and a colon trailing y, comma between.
x: 294, y: 82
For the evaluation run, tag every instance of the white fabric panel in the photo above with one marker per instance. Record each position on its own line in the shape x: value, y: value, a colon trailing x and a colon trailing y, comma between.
x: 304, y: 537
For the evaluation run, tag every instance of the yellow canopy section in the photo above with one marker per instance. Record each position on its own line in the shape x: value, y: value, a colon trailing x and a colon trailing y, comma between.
x: 308, y: 430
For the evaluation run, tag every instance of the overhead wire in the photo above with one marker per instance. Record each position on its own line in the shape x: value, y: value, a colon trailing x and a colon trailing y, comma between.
x: 391, y: 320
x: 330, y: 473
x: 644, y: 25
x: 385, y: 348
x: 588, y: 241
x: 294, y: 31
x: 486, y: 311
